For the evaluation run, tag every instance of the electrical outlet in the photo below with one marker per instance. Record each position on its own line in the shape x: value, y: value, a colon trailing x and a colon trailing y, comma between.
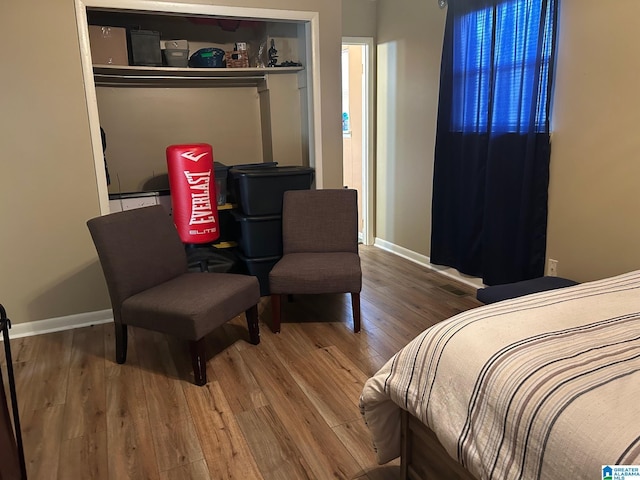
x: 552, y: 269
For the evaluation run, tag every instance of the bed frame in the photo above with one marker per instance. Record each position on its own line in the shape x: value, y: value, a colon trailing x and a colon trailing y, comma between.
x: 423, y: 457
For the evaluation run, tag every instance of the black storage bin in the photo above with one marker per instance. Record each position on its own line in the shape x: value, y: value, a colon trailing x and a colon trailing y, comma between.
x: 260, y: 190
x: 144, y: 48
x: 259, y: 267
x: 232, y: 183
x: 259, y: 236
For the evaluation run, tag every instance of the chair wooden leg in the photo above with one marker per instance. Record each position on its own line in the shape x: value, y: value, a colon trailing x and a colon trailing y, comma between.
x: 355, y: 306
x: 275, y: 312
x: 199, y: 361
x: 252, y: 323
x: 121, y: 342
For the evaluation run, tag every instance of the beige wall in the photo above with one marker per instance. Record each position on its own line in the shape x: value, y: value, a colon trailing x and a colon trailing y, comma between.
x: 49, y: 266
x: 359, y: 18
x: 141, y: 122
x: 409, y: 47
x: 593, y: 200
x: 48, y: 180
x: 593, y: 229
x: 286, y: 124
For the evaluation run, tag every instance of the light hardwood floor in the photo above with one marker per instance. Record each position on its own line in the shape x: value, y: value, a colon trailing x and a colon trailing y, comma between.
x: 285, y: 409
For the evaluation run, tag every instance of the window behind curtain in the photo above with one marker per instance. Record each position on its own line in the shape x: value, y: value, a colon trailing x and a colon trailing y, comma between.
x: 502, y: 60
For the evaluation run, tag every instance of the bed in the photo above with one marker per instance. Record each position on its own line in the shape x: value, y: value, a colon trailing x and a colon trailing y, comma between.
x: 545, y: 386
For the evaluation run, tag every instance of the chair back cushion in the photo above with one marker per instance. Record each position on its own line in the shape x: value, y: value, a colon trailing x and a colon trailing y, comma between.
x: 138, y: 249
x: 320, y: 221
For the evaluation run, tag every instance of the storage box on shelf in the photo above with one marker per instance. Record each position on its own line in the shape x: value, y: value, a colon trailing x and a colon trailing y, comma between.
x: 130, y: 200
x: 176, y: 58
x: 108, y: 45
x: 236, y: 59
x: 176, y: 53
x: 144, y: 48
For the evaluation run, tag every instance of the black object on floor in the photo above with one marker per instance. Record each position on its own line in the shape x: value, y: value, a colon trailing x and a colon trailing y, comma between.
x: 12, y: 461
x: 205, y: 258
x: 497, y: 293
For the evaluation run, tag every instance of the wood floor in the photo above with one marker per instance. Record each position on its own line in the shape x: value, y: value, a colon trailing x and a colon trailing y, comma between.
x: 285, y: 409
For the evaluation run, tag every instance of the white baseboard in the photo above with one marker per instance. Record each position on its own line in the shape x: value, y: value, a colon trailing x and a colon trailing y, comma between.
x: 60, y: 323
x: 425, y: 261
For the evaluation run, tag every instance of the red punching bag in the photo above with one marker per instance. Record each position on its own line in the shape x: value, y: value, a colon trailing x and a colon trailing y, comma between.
x: 193, y: 192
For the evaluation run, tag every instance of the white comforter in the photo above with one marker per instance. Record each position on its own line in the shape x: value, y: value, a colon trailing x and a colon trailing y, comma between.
x: 545, y: 386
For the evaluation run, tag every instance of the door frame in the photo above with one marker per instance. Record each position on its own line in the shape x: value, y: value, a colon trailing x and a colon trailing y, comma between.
x: 368, y: 138
x: 312, y: 69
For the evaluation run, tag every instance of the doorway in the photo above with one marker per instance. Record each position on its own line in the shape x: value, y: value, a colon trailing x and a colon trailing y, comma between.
x: 357, y: 128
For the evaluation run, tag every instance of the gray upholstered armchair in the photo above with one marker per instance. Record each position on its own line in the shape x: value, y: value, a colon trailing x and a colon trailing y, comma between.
x: 320, y: 246
x: 145, y: 266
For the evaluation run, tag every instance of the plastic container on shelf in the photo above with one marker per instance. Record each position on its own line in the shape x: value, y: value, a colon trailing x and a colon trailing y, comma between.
x: 259, y: 191
x: 260, y: 268
x: 176, y: 57
x: 259, y: 236
x: 144, y: 48
x: 108, y: 45
x: 209, y: 57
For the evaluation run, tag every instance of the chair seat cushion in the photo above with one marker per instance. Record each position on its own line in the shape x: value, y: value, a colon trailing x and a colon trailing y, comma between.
x: 310, y: 273
x: 191, y: 305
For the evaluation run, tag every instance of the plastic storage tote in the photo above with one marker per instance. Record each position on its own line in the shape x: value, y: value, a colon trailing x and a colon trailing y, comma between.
x: 259, y: 236
x: 260, y: 190
x: 232, y: 184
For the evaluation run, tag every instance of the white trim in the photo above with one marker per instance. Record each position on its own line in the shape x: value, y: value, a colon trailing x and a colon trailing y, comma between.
x: 368, y: 149
x: 425, y: 261
x: 313, y: 64
x: 92, y: 107
x: 312, y: 67
x: 60, y: 323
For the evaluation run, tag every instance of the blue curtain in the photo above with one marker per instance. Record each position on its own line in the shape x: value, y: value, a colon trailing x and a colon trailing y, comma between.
x: 491, y: 173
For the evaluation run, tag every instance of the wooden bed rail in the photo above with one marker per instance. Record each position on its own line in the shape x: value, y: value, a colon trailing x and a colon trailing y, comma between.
x: 422, y: 456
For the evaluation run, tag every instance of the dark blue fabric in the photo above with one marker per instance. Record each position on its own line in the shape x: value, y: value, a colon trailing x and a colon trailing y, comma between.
x: 491, y: 173
x: 501, y: 56
x: 498, y: 293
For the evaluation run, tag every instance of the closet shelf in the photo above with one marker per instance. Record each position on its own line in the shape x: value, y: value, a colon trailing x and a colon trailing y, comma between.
x: 132, y: 76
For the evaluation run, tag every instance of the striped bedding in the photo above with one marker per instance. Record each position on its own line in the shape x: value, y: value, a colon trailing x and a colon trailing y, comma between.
x: 545, y: 386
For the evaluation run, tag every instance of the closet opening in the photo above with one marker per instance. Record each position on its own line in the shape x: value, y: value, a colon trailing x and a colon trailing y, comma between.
x: 249, y: 113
